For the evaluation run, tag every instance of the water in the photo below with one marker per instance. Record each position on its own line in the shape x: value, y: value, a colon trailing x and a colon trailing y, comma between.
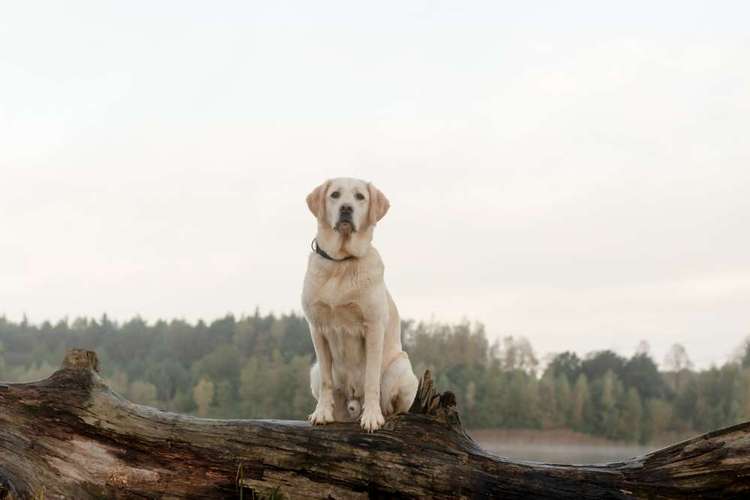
x: 565, y: 453
x: 558, y: 448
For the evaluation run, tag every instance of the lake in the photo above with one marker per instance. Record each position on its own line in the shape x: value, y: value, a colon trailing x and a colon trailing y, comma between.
x: 556, y: 446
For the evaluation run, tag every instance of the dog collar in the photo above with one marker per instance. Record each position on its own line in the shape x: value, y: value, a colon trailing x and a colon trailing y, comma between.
x: 323, y: 253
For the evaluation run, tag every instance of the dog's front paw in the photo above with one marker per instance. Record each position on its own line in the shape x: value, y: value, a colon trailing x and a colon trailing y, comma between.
x: 322, y: 415
x: 372, y: 418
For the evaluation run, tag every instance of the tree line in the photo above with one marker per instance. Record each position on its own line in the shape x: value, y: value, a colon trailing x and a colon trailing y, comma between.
x: 257, y: 366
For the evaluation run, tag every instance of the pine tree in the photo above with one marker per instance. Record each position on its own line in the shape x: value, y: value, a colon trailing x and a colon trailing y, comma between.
x: 580, y: 404
x: 631, y: 413
x: 563, y: 397
x: 203, y: 395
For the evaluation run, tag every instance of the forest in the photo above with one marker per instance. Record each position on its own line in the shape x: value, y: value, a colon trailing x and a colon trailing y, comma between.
x: 257, y: 366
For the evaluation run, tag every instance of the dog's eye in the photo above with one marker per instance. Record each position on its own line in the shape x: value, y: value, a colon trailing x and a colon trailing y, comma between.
x: 335, y: 194
x: 359, y: 196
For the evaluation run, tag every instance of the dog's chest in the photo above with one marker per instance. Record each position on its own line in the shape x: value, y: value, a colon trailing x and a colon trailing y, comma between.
x: 332, y: 303
x: 342, y: 319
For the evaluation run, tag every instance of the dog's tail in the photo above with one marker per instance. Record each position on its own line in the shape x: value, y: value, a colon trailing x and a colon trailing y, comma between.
x: 354, y: 407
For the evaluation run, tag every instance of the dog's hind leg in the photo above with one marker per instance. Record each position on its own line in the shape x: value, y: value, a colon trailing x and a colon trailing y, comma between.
x: 342, y: 411
x: 354, y: 407
x: 315, y: 381
x: 398, y: 386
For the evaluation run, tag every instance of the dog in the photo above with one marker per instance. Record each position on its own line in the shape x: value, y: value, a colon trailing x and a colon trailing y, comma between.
x: 361, y: 371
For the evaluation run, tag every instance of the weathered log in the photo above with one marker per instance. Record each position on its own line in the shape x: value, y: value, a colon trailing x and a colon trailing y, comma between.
x: 70, y: 436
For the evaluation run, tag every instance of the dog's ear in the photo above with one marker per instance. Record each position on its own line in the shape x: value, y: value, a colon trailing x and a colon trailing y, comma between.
x: 316, y: 201
x: 379, y: 204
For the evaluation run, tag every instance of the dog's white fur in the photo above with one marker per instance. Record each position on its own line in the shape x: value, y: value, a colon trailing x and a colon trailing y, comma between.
x: 361, y: 369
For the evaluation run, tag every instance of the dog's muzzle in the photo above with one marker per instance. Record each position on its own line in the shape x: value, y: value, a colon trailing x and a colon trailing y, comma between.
x: 346, y: 222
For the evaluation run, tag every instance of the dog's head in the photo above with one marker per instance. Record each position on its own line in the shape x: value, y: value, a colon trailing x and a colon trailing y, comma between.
x: 347, y: 210
x: 347, y: 205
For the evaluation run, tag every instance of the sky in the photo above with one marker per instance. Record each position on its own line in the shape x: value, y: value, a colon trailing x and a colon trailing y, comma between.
x: 575, y: 173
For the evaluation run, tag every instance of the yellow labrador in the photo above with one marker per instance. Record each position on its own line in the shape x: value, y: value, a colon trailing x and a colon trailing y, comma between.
x: 361, y: 369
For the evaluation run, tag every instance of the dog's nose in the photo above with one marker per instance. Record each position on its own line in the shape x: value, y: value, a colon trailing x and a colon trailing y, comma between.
x: 346, y: 210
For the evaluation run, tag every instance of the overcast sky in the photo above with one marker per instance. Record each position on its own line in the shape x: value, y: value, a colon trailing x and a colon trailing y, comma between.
x: 574, y: 172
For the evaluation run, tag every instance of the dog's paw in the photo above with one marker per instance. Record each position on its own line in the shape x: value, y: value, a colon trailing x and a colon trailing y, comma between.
x: 322, y: 415
x: 372, y: 418
x: 354, y: 408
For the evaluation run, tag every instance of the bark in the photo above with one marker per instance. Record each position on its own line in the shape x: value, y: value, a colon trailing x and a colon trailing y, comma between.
x: 70, y: 436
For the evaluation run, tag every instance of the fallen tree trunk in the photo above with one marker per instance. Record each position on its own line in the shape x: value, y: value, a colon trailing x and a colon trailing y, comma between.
x: 70, y: 436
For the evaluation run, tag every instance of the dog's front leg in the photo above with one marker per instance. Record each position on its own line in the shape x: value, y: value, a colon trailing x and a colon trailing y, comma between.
x: 323, y: 413
x: 372, y: 415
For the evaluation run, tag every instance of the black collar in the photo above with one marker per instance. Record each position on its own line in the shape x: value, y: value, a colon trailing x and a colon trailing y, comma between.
x: 323, y: 254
